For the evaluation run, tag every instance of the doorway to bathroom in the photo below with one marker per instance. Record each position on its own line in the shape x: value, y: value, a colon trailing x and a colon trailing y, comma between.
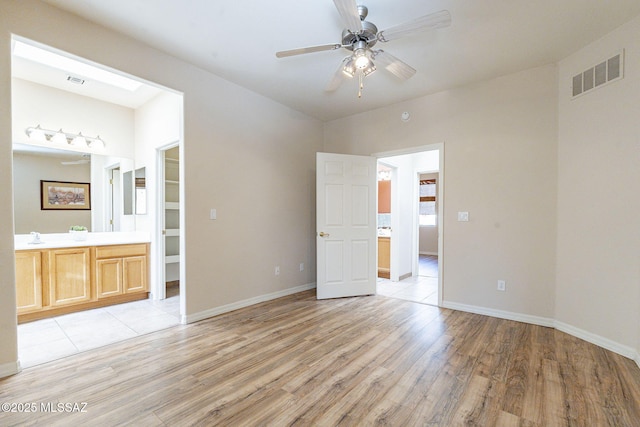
x: 410, y: 224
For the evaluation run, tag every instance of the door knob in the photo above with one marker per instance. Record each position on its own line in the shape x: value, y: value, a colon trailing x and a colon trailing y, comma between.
x: 323, y: 234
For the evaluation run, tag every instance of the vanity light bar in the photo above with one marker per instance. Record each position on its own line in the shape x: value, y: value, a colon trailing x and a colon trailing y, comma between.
x: 61, y: 138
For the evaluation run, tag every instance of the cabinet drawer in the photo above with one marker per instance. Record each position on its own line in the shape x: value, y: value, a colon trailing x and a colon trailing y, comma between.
x: 121, y: 251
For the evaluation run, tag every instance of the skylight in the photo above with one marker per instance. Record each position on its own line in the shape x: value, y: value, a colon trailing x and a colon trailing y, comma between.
x: 73, y: 66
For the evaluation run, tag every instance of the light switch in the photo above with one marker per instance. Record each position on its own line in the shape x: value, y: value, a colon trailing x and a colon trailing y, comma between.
x: 463, y: 216
x: 213, y: 214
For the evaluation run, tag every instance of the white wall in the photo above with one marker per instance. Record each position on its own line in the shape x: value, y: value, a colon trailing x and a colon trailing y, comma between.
x: 500, y: 165
x: 251, y: 158
x: 28, y: 170
x: 158, y: 123
x: 34, y: 104
x: 598, y: 273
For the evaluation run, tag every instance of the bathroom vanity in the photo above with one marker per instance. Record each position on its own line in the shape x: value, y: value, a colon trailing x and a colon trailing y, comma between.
x: 60, y: 275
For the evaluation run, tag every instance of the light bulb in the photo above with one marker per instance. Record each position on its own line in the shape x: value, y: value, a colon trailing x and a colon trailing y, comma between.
x: 97, y: 143
x: 362, y: 61
x: 59, y: 138
x: 36, y: 134
x: 79, y: 140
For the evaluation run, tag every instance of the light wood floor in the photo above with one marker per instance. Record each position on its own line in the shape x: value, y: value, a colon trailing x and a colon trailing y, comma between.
x: 352, y: 361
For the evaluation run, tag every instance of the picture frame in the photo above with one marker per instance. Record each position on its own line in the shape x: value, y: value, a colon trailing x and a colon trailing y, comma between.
x: 62, y: 195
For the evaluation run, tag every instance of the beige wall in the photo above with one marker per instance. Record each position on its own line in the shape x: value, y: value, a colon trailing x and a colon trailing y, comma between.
x: 28, y: 170
x: 8, y: 316
x: 521, y: 158
x: 598, y: 275
x: 499, y: 165
x: 251, y: 158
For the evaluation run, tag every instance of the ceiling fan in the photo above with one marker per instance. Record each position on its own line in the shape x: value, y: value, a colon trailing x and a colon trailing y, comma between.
x: 84, y: 159
x: 360, y: 36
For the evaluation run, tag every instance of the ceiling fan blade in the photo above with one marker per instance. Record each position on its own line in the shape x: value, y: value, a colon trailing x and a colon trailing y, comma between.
x: 338, y: 77
x: 432, y: 21
x: 400, y: 69
x: 348, y: 10
x: 75, y: 162
x: 309, y: 49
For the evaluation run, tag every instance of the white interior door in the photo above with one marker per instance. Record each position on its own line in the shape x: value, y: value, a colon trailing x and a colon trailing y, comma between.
x: 346, y: 225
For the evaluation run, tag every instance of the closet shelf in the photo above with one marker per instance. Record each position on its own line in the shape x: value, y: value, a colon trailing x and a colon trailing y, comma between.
x: 172, y: 259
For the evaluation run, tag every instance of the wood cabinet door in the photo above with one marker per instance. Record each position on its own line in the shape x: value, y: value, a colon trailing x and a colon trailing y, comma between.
x: 69, y: 280
x: 108, y: 277
x: 135, y: 274
x: 29, y: 281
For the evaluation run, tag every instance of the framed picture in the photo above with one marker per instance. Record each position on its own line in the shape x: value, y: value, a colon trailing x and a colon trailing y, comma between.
x: 59, y: 195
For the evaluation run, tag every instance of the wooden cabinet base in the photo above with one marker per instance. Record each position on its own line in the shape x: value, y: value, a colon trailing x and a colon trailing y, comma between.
x: 384, y: 273
x: 52, y: 282
x: 57, y: 311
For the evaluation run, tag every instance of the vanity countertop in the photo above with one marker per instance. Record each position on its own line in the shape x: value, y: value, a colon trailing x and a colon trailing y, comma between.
x: 65, y: 240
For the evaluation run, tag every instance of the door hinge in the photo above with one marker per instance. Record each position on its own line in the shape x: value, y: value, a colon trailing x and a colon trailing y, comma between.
x: 110, y: 222
x: 111, y: 182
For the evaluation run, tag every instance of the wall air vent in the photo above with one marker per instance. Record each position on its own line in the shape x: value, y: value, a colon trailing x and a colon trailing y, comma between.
x: 598, y: 75
x: 75, y: 80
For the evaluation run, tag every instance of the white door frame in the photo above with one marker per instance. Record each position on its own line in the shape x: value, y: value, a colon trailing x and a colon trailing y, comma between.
x: 159, y: 290
x: 441, y: 222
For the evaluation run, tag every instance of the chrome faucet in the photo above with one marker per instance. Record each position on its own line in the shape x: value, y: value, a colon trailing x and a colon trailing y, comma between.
x: 35, y: 237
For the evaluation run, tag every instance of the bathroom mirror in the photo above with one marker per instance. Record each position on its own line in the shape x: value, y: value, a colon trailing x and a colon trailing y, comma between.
x: 31, y: 164
x: 127, y: 193
x: 141, y: 192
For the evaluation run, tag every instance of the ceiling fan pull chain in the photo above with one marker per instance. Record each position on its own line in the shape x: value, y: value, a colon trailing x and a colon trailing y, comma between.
x: 361, y: 84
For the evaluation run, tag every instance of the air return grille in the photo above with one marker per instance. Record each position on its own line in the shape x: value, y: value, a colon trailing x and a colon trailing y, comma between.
x: 596, y: 76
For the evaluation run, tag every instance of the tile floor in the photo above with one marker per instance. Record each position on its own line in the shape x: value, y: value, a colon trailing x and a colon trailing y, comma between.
x: 422, y: 288
x: 50, y: 339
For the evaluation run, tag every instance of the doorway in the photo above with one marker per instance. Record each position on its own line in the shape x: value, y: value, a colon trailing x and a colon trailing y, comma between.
x: 169, y: 209
x: 413, y: 223
x: 55, y: 337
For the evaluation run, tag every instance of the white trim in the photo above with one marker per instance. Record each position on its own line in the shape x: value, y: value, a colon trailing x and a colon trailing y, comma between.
x: 501, y: 314
x: 195, y: 317
x: 429, y: 253
x: 8, y: 369
x: 592, y: 338
x: 410, y: 150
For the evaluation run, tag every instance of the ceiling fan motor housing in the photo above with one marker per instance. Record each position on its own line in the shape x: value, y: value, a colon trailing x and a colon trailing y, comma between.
x: 368, y: 35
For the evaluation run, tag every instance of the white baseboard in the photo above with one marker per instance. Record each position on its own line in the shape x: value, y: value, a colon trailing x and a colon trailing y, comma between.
x: 606, y: 343
x: 603, y: 342
x: 429, y: 253
x: 8, y: 369
x: 500, y: 314
x: 195, y: 317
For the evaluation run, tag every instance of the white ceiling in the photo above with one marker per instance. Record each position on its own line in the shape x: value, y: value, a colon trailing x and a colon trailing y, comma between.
x: 237, y: 40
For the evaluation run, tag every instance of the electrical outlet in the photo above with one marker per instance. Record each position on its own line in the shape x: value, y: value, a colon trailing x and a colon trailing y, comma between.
x: 502, y: 285
x: 302, y: 266
x: 277, y: 270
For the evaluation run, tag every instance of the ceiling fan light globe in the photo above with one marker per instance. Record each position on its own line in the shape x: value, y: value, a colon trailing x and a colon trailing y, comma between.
x: 368, y: 70
x: 349, y: 68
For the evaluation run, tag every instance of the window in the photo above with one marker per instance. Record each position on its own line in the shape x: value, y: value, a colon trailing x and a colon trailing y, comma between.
x: 428, y: 202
